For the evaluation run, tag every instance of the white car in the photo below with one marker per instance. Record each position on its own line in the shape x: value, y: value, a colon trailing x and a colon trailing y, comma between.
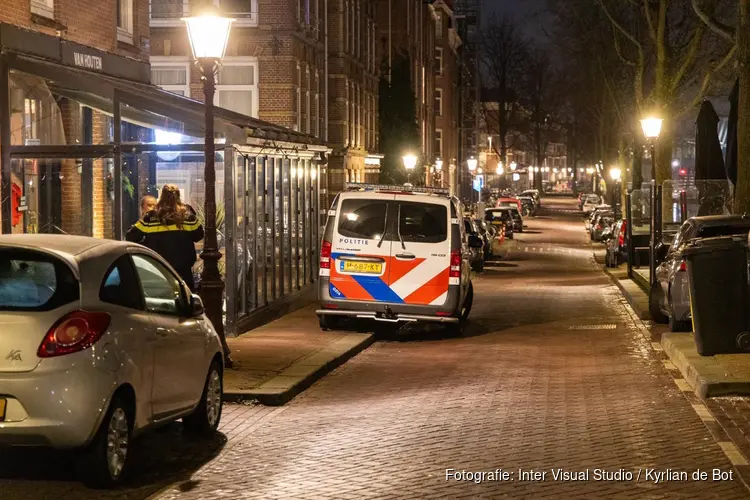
x: 101, y: 341
x: 591, y: 202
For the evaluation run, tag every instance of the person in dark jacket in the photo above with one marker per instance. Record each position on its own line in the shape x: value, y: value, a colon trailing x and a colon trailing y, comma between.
x: 171, y: 230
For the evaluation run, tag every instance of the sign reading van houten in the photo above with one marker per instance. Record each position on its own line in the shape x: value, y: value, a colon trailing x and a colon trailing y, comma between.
x: 87, y: 61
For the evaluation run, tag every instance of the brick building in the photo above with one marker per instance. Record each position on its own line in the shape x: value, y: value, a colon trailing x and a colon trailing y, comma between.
x: 407, y: 28
x: 447, y: 43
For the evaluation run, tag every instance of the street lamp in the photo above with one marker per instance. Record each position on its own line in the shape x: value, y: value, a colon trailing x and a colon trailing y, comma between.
x: 410, y: 163
x: 209, y: 33
x: 438, y: 165
x: 513, y: 166
x: 472, y: 164
x: 651, y: 129
x: 615, y: 173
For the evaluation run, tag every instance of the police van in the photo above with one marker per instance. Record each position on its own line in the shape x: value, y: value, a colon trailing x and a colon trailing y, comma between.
x: 395, y: 254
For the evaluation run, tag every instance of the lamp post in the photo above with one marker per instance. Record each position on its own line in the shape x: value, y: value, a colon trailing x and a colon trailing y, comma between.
x: 410, y: 163
x: 471, y: 163
x: 651, y: 130
x: 615, y: 173
x: 209, y: 33
x: 439, y: 171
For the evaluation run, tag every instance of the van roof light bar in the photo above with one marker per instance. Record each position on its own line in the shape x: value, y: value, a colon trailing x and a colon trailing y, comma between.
x: 356, y: 186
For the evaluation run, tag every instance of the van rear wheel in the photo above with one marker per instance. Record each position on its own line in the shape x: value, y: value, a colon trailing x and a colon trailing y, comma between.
x: 328, y: 322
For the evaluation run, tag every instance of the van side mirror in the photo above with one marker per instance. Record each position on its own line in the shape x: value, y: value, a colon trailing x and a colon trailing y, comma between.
x: 196, y: 306
x: 475, y: 241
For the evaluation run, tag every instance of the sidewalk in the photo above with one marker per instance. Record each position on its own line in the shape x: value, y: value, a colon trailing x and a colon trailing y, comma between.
x: 277, y: 361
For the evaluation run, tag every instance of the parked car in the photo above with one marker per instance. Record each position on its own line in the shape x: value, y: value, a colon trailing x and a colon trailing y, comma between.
x: 105, y: 342
x: 509, y: 215
x: 508, y: 201
x: 582, y: 197
x: 534, y: 193
x: 374, y: 238
x: 528, y: 205
x: 596, y: 211
x: 501, y: 220
x: 488, y: 232
x: 602, y: 220
x: 617, y: 250
x: 590, y: 201
x: 477, y: 254
x: 669, y: 300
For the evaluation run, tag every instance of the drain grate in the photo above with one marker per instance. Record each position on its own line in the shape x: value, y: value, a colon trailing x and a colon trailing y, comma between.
x: 593, y: 327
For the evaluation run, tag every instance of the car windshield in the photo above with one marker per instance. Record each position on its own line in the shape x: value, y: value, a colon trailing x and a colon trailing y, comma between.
x: 34, y: 281
x: 423, y: 222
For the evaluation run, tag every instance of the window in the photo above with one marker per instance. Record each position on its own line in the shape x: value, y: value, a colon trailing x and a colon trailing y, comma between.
x: 317, y: 103
x: 45, y: 8
x: 439, y: 25
x: 364, y: 219
x: 125, y: 21
x: 237, y: 85
x: 120, y: 285
x: 172, y: 74
x: 439, y: 143
x: 244, y: 11
x: 439, y: 61
x: 299, y: 98
x: 168, y: 12
x: 308, y: 109
x: 439, y: 102
x: 422, y: 222
x: 32, y: 281
x: 161, y: 288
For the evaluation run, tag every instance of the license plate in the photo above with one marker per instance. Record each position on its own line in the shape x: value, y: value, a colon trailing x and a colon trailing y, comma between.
x: 351, y: 266
x: 2, y: 409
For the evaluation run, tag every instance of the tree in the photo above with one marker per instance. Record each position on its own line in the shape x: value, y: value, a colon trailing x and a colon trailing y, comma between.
x: 504, y: 53
x: 739, y: 39
x: 399, y: 133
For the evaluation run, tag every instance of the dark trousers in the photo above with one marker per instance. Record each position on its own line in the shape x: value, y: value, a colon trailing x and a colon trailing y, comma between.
x: 187, y: 277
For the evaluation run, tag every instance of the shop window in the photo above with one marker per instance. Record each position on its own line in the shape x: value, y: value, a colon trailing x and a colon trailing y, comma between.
x: 45, y: 8
x: 168, y: 12
x: 244, y: 11
x: 237, y: 85
x: 125, y: 21
x: 172, y: 74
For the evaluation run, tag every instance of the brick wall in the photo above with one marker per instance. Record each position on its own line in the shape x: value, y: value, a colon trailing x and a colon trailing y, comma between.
x: 88, y: 22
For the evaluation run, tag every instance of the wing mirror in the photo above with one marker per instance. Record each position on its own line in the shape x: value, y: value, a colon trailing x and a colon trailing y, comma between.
x: 196, y: 306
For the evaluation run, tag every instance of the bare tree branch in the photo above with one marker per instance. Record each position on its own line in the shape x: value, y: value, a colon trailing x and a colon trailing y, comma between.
x: 707, y: 82
x: 617, y: 25
x: 720, y: 29
x: 649, y: 20
x: 689, y: 58
x: 624, y: 59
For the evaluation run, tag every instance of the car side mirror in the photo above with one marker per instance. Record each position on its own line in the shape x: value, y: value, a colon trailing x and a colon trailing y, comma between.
x: 475, y: 241
x: 196, y: 306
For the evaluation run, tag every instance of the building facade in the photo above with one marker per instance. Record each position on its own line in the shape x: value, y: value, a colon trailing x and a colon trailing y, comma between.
x: 353, y: 74
x: 447, y: 43
x: 407, y: 28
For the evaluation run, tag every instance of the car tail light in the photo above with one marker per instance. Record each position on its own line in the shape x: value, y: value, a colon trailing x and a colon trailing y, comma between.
x: 683, y: 265
x: 598, y: 226
x: 325, y: 255
x: 455, y: 271
x: 621, y: 236
x: 74, y: 332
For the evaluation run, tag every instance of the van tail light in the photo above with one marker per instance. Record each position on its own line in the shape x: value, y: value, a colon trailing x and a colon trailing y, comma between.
x: 325, y: 255
x: 74, y: 332
x: 683, y: 265
x: 621, y: 236
x: 455, y: 271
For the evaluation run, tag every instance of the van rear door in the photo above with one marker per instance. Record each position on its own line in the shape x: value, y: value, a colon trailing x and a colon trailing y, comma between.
x: 421, y: 250
x: 361, y: 248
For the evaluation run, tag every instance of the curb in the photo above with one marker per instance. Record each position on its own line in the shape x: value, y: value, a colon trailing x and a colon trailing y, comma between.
x: 302, y: 374
x: 632, y: 292
x: 705, y: 374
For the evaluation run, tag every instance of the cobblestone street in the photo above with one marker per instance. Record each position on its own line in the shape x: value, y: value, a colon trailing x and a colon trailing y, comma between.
x: 553, y: 372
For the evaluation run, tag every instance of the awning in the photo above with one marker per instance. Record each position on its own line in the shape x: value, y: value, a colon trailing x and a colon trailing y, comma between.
x: 149, y: 105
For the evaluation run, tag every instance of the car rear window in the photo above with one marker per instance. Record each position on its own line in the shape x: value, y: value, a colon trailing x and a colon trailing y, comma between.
x: 713, y: 231
x: 495, y: 215
x: 33, y: 281
x: 361, y: 218
x: 423, y: 222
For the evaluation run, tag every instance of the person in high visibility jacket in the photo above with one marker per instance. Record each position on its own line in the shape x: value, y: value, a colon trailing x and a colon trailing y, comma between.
x: 171, y: 230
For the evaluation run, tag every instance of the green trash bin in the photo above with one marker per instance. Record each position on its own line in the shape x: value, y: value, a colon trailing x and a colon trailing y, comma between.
x: 718, y: 279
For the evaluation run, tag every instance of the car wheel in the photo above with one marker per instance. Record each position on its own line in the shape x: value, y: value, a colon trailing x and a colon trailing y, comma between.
x: 653, y: 305
x: 105, y: 459
x: 328, y: 322
x: 675, y: 325
x: 205, y: 418
x: 463, y: 314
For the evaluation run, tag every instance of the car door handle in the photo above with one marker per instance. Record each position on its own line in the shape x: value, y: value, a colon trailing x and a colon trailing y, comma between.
x: 406, y: 256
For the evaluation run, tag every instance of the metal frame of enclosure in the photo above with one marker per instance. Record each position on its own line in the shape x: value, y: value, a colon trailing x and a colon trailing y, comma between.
x: 84, y: 136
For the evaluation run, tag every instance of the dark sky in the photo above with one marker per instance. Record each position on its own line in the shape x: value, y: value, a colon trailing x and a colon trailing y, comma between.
x: 528, y: 12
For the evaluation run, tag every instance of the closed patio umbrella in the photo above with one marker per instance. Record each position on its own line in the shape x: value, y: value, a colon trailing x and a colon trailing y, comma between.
x: 709, y: 162
x: 731, y: 157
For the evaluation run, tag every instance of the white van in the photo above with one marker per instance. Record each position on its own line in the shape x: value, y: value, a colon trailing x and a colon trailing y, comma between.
x: 395, y: 254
